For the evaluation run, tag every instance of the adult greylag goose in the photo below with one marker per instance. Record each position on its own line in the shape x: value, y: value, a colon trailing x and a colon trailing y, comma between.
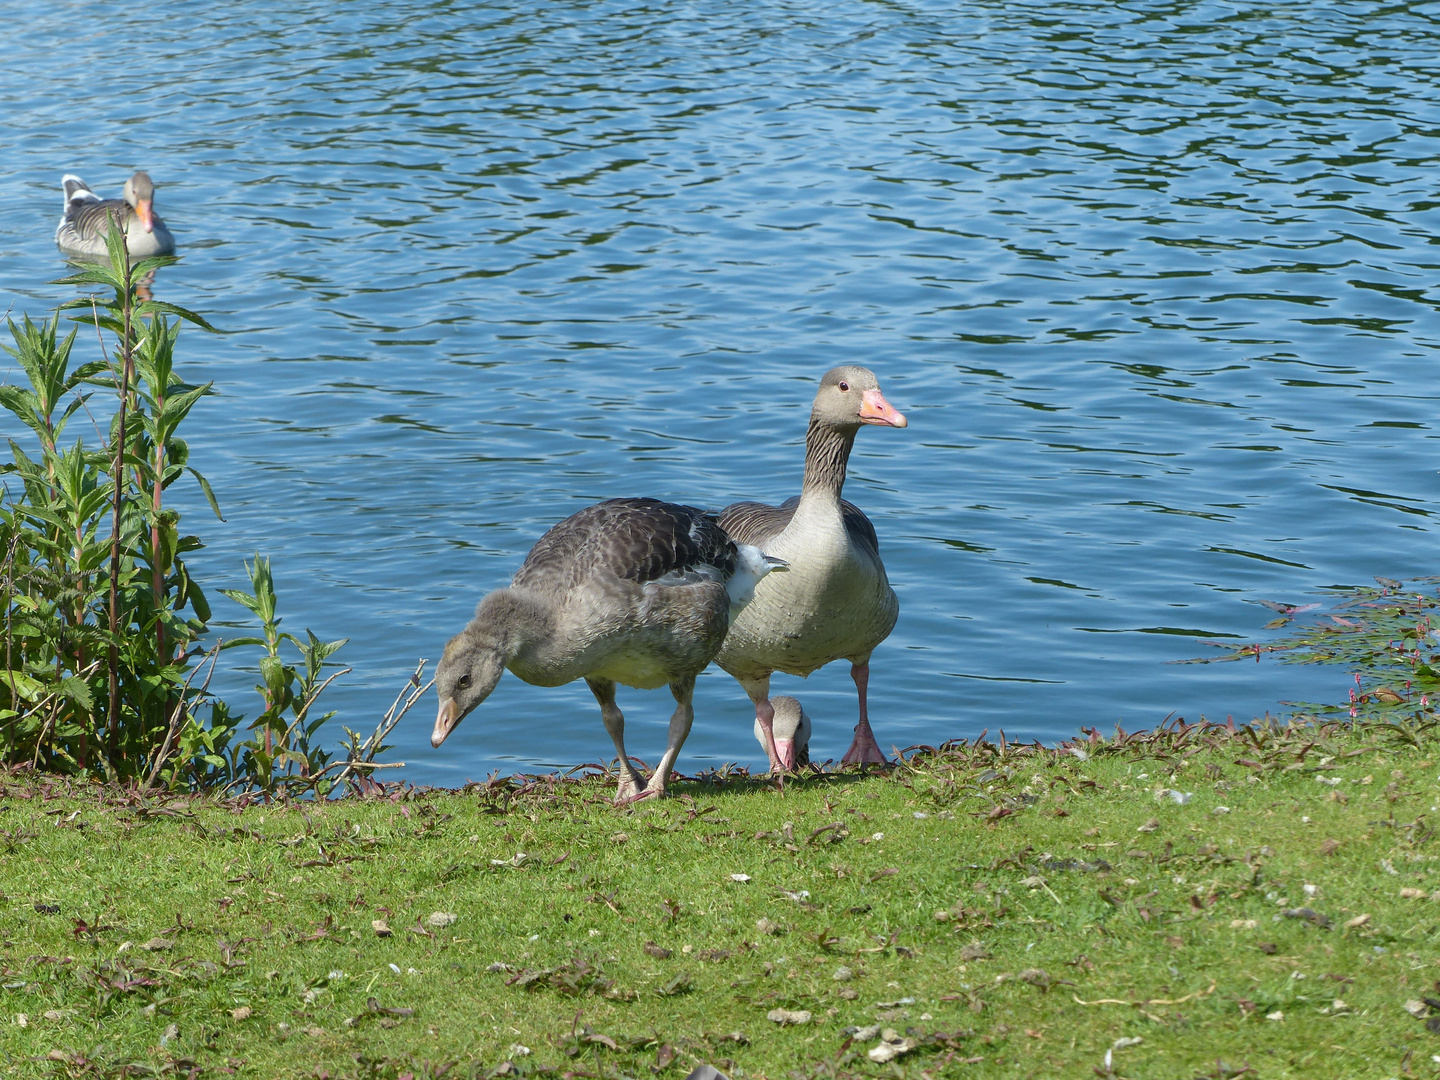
x: 791, y: 732
x: 87, y: 219
x: 836, y: 602
x: 632, y: 591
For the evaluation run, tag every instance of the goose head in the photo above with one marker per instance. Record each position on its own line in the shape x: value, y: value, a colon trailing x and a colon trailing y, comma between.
x: 792, y: 732
x: 850, y: 396
x: 475, y: 658
x: 140, y: 194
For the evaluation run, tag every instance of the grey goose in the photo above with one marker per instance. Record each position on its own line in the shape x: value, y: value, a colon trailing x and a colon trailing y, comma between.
x: 632, y: 591
x: 836, y: 602
x: 791, y: 732
x: 87, y: 218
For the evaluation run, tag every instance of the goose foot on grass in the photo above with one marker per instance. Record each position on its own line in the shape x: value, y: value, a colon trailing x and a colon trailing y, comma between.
x: 864, y: 750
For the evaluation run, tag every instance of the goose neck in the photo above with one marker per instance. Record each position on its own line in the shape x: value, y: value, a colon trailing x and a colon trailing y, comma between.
x: 515, y: 618
x: 827, y: 451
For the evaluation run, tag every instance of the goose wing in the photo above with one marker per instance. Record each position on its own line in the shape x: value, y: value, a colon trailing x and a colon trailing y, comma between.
x: 756, y: 523
x: 90, y: 218
x: 644, y: 541
x: 759, y: 524
x: 75, y: 188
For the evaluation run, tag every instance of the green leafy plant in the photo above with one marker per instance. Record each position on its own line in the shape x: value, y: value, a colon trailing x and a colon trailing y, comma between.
x: 284, y: 730
x: 104, y: 626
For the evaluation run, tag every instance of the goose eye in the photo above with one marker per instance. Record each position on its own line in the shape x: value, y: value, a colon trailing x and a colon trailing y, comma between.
x: 844, y: 386
x: 463, y: 682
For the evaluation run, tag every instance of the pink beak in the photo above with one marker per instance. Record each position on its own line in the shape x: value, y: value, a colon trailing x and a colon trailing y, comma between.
x: 445, y: 721
x: 874, y: 409
x: 146, y: 214
x: 785, y: 751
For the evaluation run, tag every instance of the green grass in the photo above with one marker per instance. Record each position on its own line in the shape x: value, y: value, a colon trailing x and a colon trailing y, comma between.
x: 1022, y: 911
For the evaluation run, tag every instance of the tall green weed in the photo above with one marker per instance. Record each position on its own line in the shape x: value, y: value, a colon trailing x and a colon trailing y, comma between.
x: 106, y: 661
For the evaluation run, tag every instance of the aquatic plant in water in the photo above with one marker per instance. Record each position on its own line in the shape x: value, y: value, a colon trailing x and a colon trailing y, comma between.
x: 1385, y: 634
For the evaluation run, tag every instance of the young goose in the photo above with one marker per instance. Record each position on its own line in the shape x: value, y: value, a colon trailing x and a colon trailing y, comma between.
x: 632, y: 591
x: 836, y: 602
x: 87, y: 219
x: 791, y: 733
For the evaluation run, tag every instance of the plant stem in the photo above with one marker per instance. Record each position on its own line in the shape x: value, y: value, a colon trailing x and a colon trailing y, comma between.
x: 157, y: 580
x: 127, y: 359
x: 12, y: 587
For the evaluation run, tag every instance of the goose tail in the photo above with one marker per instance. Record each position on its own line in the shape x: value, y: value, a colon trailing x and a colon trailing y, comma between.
x: 76, y: 189
x: 751, y: 566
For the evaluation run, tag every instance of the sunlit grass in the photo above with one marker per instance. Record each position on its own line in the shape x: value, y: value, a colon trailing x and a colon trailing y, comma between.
x: 1005, y: 913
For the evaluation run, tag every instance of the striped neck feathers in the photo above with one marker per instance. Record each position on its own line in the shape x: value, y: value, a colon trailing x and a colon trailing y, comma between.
x: 827, y: 451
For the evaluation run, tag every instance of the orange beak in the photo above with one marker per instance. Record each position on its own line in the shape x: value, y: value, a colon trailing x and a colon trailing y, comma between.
x: 146, y: 215
x: 874, y: 409
x: 445, y: 721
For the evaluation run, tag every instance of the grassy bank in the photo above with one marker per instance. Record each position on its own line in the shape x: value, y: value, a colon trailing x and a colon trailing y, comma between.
x: 1003, y: 911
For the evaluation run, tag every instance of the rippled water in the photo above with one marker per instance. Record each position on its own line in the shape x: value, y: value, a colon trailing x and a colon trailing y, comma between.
x: 1155, y: 283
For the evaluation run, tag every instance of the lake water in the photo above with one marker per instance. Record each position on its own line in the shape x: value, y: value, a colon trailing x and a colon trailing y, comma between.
x: 1156, y: 284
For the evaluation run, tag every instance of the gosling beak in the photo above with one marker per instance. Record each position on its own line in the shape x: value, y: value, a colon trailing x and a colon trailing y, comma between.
x: 785, y: 750
x: 874, y: 409
x: 145, y: 212
x: 774, y: 562
x: 445, y: 721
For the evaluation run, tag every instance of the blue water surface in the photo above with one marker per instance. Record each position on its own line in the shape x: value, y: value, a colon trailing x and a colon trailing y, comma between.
x: 1155, y: 282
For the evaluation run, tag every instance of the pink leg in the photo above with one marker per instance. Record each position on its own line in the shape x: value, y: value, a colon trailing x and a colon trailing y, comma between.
x: 864, y: 749
x: 759, y: 691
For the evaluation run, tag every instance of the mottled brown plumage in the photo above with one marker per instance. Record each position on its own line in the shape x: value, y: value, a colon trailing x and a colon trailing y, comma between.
x: 640, y: 540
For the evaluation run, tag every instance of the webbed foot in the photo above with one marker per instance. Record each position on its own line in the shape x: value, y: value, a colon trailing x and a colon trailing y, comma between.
x: 864, y: 750
x: 629, y: 790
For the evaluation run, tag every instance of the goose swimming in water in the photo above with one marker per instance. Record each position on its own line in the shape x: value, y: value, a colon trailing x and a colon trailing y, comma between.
x: 87, y: 219
x: 836, y: 603
x: 632, y: 591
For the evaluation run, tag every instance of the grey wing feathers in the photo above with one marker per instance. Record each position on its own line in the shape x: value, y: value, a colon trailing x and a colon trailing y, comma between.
x: 639, y: 540
x: 92, y: 218
x: 77, y: 188
x: 690, y: 576
x: 858, y: 526
x: 755, y: 523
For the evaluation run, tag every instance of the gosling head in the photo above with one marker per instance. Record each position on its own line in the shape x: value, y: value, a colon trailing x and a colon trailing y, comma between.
x: 475, y: 658
x: 792, y: 732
